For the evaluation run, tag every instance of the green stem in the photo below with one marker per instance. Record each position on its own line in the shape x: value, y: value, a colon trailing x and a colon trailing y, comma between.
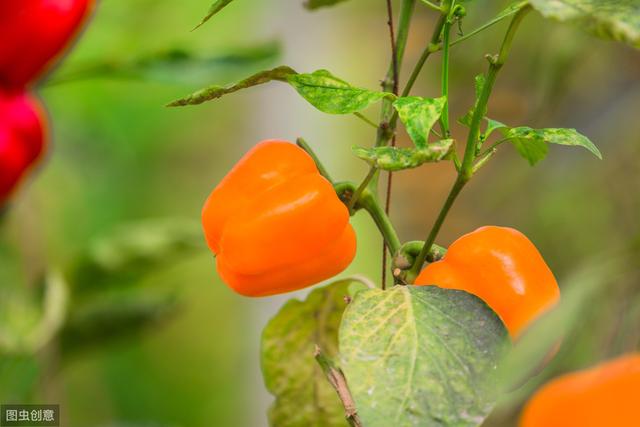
x: 363, y: 185
x: 370, y: 203
x: 466, y: 168
x: 481, y: 105
x: 386, y: 129
x: 431, y: 5
x: 413, y: 248
x: 431, y: 48
x: 435, y: 229
x: 300, y: 142
x: 365, y: 119
x: 444, y: 117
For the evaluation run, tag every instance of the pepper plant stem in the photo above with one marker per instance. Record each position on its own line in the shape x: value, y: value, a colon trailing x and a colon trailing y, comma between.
x: 371, y: 204
x: 444, y: 117
x: 466, y: 168
x: 300, y: 142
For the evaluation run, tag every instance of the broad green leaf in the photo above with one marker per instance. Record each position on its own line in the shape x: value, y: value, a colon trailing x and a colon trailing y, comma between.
x: 303, y: 395
x: 610, y: 19
x: 316, y: 4
x: 115, y: 315
x: 419, y: 115
x: 332, y: 95
x: 132, y: 251
x: 216, y: 7
x: 532, y: 143
x: 421, y: 356
x: 213, y: 92
x: 171, y: 66
x: 395, y: 159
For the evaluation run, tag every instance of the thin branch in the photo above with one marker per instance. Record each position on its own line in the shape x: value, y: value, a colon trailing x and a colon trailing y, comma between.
x: 431, y: 5
x: 339, y: 383
x: 394, y: 54
x: 365, y: 119
x: 363, y: 185
x: 300, y: 142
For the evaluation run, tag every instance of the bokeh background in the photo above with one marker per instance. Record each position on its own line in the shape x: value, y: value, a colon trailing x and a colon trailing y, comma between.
x: 160, y: 341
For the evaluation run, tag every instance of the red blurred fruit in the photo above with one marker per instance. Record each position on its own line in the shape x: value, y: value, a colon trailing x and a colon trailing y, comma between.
x: 33, y: 33
x: 22, y: 138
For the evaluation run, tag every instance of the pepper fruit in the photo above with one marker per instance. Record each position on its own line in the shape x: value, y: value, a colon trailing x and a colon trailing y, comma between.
x: 502, y: 267
x: 33, y: 33
x: 275, y: 224
x: 605, y: 395
x: 22, y: 139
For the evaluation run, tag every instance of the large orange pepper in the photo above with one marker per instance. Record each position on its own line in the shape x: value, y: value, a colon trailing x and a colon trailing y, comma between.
x: 607, y: 395
x: 275, y: 224
x: 502, y: 267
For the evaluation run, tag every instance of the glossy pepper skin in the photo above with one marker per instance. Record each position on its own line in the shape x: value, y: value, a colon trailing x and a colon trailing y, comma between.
x: 502, y: 267
x: 22, y: 139
x: 275, y: 224
x: 605, y: 395
x: 34, y: 33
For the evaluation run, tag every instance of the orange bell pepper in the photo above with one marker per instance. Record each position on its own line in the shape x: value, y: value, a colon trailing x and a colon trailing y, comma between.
x: 502, y: 267
x: 275, y: 224
x: 605, y: 395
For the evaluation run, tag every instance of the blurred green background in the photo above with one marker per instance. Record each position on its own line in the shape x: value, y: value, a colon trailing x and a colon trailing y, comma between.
x: 120, y: 159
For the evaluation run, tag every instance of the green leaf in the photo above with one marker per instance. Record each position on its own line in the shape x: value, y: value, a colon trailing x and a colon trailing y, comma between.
x: 174, y: 65
x: 303, y: 395
x: 316, y: 4
x: 395, y: 159
x: 115, y: 315
x: 531, y: 143
x: 493, y: 125
x: 332, y: 95
x: 216, y: 7
x: 419, y: 115
x: 132, y: 251
x: 421, y: 356
x: 213, y: 92
x: 610, y: 19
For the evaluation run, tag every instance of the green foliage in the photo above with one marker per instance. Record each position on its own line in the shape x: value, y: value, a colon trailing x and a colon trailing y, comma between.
x: 26, y: 326
x: 610, y: 19
x: 419, y: 115
x: 114, y: 315
x: 132, y: 251
x: 492, y: 125
x: 421, y: 356
x: 213, y: 92
x: 316, y: 4
x: 532, y: 143
x: 332, y: 95
x: 171, y: 65
x: 303, y: 395
x: 216, y: 7
x: 395, y: 158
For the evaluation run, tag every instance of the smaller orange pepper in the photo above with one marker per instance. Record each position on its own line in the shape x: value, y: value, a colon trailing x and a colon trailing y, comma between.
x: 275, y: 224
x: 607, y: 395
x: 503, y: 268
